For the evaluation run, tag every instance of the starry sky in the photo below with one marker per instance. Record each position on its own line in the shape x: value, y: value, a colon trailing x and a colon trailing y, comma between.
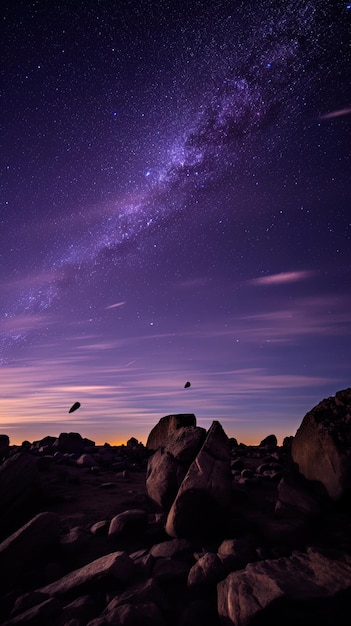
x: 175, y: 205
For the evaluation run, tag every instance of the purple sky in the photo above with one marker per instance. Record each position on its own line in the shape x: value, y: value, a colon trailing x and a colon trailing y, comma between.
x: 176, y: 205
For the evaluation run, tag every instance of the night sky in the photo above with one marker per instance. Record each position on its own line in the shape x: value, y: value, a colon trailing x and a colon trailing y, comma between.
x: 175, y: 206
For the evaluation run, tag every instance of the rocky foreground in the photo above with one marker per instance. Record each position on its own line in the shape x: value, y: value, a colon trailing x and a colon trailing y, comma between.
x: 191, y: 529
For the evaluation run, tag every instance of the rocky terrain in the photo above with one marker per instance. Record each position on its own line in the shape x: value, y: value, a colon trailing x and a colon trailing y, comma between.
x: 191, y: 529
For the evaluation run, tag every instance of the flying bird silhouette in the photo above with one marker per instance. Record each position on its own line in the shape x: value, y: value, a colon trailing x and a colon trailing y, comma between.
x: 187, y: 384
x: 74, y: 407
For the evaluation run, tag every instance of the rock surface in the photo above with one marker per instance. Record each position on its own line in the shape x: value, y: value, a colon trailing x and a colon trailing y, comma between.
x: 255, y: 591
x: 322, y: 445
x: 116, y: 566
x: 204, y: 496
x: 28, y: 544
x: 166, y: 426
x: 168, y: 466
x: 19, y: 487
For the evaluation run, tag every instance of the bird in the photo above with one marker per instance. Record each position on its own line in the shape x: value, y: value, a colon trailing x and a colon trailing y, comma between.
x: 74, y: 407
x: 187, y: 384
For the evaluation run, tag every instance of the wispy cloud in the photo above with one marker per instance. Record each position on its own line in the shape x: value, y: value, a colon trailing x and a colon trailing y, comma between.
x: 23, y: 323
x: 34, y: 279
x: 115, y: 306
x: 338, y: 113
x: 318, y: 316
x: 282, y: 278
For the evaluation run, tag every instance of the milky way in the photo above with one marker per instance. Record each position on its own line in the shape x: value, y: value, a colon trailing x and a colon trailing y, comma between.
x: 137, y: 134
x: 250, y: 85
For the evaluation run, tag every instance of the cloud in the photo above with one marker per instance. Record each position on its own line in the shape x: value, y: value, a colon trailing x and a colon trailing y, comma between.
x: 338, y: 113
x: 324, y: 317
x: 282, y: 278
x: 115, y: 306
x: 34, y: 280
x: 22, y: 323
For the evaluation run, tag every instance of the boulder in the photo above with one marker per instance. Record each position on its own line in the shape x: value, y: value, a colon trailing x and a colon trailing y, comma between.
x: 141, y: 592
x: 133, y: 521
x: 174, y: 548
x: 44, y: 613
x: 87, y: 460
x: 75, y: 541
x: 321, y: 446
x: 29, y: 544
x: 19, y: 489
x: 208, y: 570
x: 27, y: 601
x: 168, y: 466
x: 145, y: 614
x: 236, y: 553
x: 166, y: 426
x: 294, y: 499
x: 270, y: 440
x: 82, y: 609
x: 4, y: 446
x: 204, y: 496
x: 72, y: 443
x: 163, y: 479
x: 273, y: 591
x: 116, y: 566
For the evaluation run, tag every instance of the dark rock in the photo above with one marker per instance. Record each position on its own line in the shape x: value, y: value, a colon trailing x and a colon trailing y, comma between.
x: 38, y: 615
x: 168, y: 466
x: 116, y: 566
x: 100, y: 528
x: 237, y: 464
x: 166, y: 426
x: 146, y: 591
x: 295, y: 499
x: 163, y: 478
x: 233, y: 442
x: 87, y: 460
x: 200, y: 611
x: 236, y: 553
x: 82, y: 608
x: 287, y: 441
x: 132, y: 443
x: 271, y: 440
x: 263, y: 590
x: 46, y: 442
x: 27, y: 601
x: 146, y: 614
x: 4, y: 446
x: 20, y: 489
x: 28, y: 545
x: 71, y: 443
x: 75, y: 541
x: 321, y: 447
x: 173, y: 548
x: 204, y: 496
x: 207, y: 571
x: 247, y: 473
x: 170, y: 571
x: 131, y: 522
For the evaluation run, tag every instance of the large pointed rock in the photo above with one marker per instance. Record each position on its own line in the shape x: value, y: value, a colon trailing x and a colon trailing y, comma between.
x: 166, y: 426
x: 321, y: 447
x: 204, y: 496
x: 284, y: 590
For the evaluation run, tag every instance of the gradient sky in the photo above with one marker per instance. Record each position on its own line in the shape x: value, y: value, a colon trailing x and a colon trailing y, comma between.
x: 176, y: 205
